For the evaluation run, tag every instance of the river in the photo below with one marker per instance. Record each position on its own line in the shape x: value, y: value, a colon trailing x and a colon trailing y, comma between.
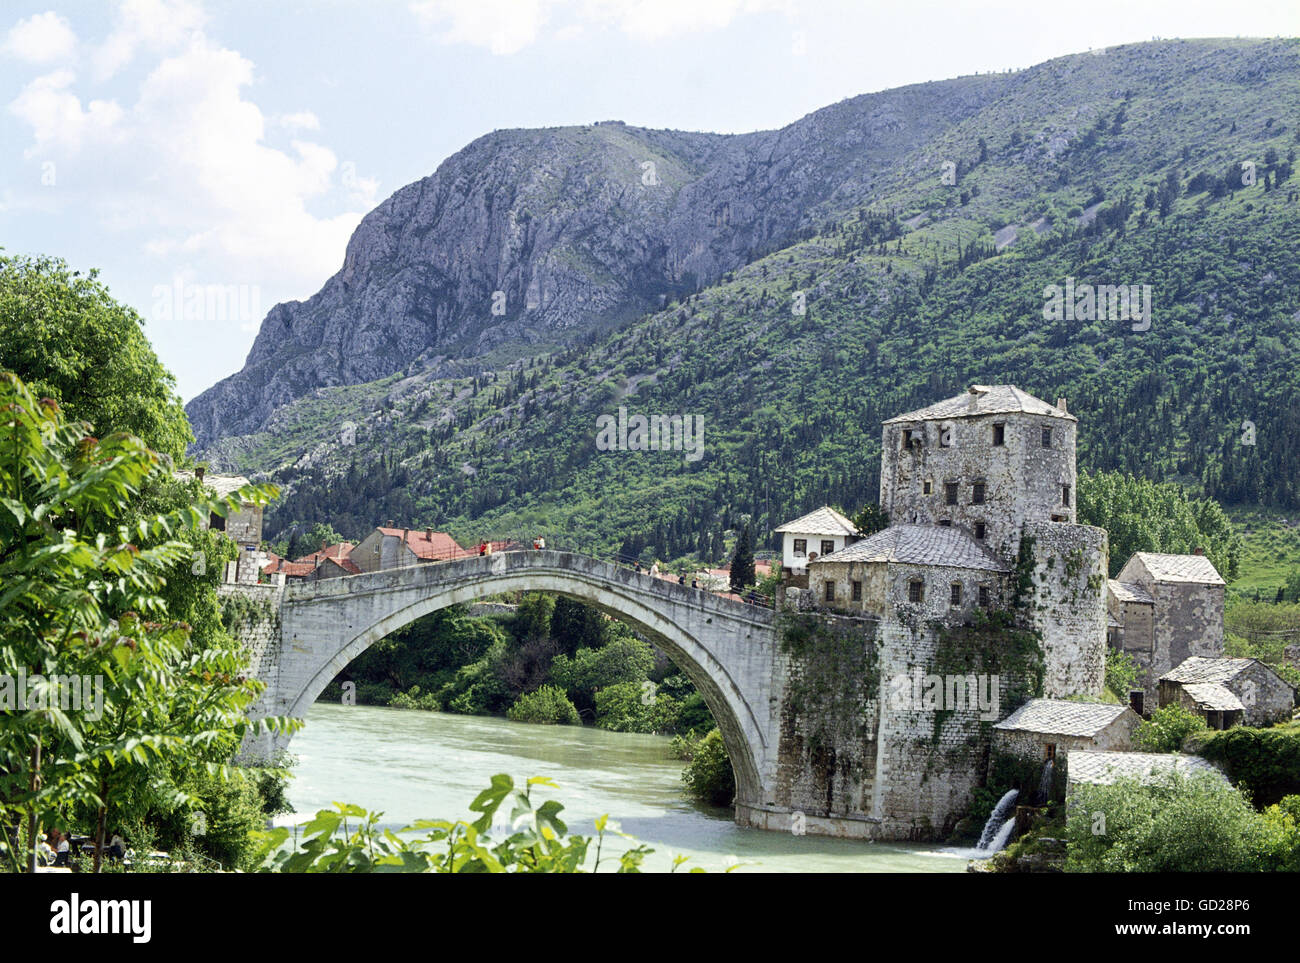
x: 412, y: 764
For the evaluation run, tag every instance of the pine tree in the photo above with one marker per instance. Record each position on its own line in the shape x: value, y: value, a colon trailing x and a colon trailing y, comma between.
x: 742, y: 561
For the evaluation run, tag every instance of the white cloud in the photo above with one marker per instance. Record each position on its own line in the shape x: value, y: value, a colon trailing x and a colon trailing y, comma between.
x: 44, y: 38
x: 508, y: 26
x: 188, y: 171
x: 155, y: 26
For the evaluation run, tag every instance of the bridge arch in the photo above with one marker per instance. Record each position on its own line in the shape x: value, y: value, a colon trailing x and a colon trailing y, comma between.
x: 725, y: 648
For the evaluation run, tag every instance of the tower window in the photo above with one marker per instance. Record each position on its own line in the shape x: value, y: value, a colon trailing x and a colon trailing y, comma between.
x: 827, y: 547
x: 945, y: 523
x: 927, y: 487
x: 979, y: 531
x: 999, y: 434
x: 977, y: 494
x: 830, y: 592
x: 915, y: 590
x: 1047, y: 437
x: 950, y: 493
x: 954, y: 597
x: 857, y: 591
x: 1065, y: 495
x: 986, y: 597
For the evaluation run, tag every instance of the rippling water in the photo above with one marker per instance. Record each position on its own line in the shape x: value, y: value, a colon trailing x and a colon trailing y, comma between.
x: 413, y: 764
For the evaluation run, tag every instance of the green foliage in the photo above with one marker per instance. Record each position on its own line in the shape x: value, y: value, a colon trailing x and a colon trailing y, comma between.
x: 1121, y: 674
x: 1146, y: 516
x: 1265, y: 763
x: 548, y: 705
x: 708, y: 777
x: 742, y: 561
x: 1179, y: 823
x: 871, y: 519
x: 623, y: 659
x: 533, y: 616
x: 1167, y: 729
x: 536, y: 840
x: 575, y: 625
x: 63, y: 334
x: 636, y: 707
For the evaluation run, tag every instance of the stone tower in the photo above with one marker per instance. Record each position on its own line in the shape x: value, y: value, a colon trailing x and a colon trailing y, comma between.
x: 999, y: 465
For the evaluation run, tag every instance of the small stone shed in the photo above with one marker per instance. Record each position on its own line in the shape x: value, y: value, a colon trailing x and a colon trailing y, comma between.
x: 1043, y: 727
x: 1229, y: 692
x: 1093, y: 768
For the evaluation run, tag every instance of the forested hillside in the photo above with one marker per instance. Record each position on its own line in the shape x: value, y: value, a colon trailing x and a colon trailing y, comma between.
x: 1107, y: 170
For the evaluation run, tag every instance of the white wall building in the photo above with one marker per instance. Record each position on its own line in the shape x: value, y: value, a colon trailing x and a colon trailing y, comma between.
x: 818, y: 533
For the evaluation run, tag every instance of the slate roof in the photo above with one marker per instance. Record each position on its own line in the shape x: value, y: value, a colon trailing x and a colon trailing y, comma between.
x: 823, y: 521
x: 984, y: 400
x: 223, y: 485
x: 1180, y: 568
x: 1213, y: 697
x: 1129, y: 592
x: 919, y: 545
x: 1197, y: 668
x: 1103, y: 768
x: 1062, y: 717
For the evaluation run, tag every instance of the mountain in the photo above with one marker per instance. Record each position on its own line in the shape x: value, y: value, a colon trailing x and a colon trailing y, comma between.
x: 876, y: 256
x: 574, y: 227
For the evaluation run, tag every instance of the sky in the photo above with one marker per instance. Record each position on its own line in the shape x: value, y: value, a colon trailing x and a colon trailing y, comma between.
x: 176, y: 145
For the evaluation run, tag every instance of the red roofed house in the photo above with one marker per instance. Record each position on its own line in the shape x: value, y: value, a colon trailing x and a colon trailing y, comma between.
x: 400, y: 547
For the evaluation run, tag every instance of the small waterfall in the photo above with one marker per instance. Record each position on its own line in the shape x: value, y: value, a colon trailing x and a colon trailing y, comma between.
x: 1045, y: 784
x: 1000, y: 823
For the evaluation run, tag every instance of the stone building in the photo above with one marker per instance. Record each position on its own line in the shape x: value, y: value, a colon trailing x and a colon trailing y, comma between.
x: 244, y: 526
x: 978, y: 487
x: 1041, y: 728
x: 811, y: 536
x: 1229, y: 692
x: 388, y: 547
x: 1101, y: 768
x: 1163, y: 609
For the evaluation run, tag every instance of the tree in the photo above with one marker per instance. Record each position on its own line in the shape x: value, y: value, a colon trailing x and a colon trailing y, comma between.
x: 63, y: 334
x: 871, y: 519
x: 742, y: 561
x: 114, y: 686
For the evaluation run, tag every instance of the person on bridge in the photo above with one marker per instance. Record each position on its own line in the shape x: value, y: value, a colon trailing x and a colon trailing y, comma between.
x: 654, y: 569
x: 539, y: 543
x: 483, y: 547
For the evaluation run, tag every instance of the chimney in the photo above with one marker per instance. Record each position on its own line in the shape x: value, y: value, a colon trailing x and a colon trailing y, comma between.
x: 390, y: 523
x: 428, y: 534
x: 198, y: 473
x: 324, y: 545
x: 1060, y: 404
x: 1198, y: 550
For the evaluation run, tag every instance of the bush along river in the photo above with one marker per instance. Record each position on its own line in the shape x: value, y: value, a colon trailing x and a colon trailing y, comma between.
x: 413, y: 765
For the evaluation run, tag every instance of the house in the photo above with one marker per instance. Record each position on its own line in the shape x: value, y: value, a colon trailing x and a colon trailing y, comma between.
x: 928, y: 570
x: 1043, y: 727
x: 332, y: 561
x: 811, y: 536
x: 275, y: 565
x: 388, y: 547
x: 1099, y: 768
x: 243, y: 526
x: 1162, y: 610
x: 1229, y: 692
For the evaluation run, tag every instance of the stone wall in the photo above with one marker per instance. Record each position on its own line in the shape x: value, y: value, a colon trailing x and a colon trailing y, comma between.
x: 1068, y: 600
x: 1117, y: 737
x: 253, y: 612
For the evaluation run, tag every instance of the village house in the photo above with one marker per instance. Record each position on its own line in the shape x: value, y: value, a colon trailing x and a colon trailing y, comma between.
x: 1100, y: 768
x: 1161, y: 610
x: 243, y: 526
x: 1041, y: 728
x: 1229, y: 692
x: 388, y: 547
x: 821, y: 532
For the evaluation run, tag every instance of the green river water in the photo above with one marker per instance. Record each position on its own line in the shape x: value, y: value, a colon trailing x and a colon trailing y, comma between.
x: 412, y: 764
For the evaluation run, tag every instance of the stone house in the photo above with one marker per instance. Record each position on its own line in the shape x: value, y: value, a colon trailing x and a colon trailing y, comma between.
x: 1041, y: 728
x: 1102, y: 768
x: 912, y: 572
x: 388, y: 547
x: 1229, y: 692
x: 332, y: 561
x: 1163, y: 609
x: 819, y: 533
x: 244, y: 526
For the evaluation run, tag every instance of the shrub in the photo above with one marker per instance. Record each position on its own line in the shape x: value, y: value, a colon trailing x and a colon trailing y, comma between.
x: 1121, y: 673
x: 1167, y: 728
x: 634, y: 707
x: 708, y: 777
x: 1179, y: 823
x: 547, y: 705
x: 1263, y: 762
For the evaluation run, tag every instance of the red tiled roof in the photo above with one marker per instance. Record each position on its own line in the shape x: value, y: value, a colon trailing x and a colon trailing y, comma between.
x: 340, y: 551
x: 290, y: 569
x: 346, y: 564
x: 429, y: 544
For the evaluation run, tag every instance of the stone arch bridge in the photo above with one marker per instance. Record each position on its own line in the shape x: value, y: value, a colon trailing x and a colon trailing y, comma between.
x: 803, y: 762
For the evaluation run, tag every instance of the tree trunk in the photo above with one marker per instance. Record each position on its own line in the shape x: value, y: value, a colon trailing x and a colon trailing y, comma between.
x: 31, y: 815
x: 100, y: 817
